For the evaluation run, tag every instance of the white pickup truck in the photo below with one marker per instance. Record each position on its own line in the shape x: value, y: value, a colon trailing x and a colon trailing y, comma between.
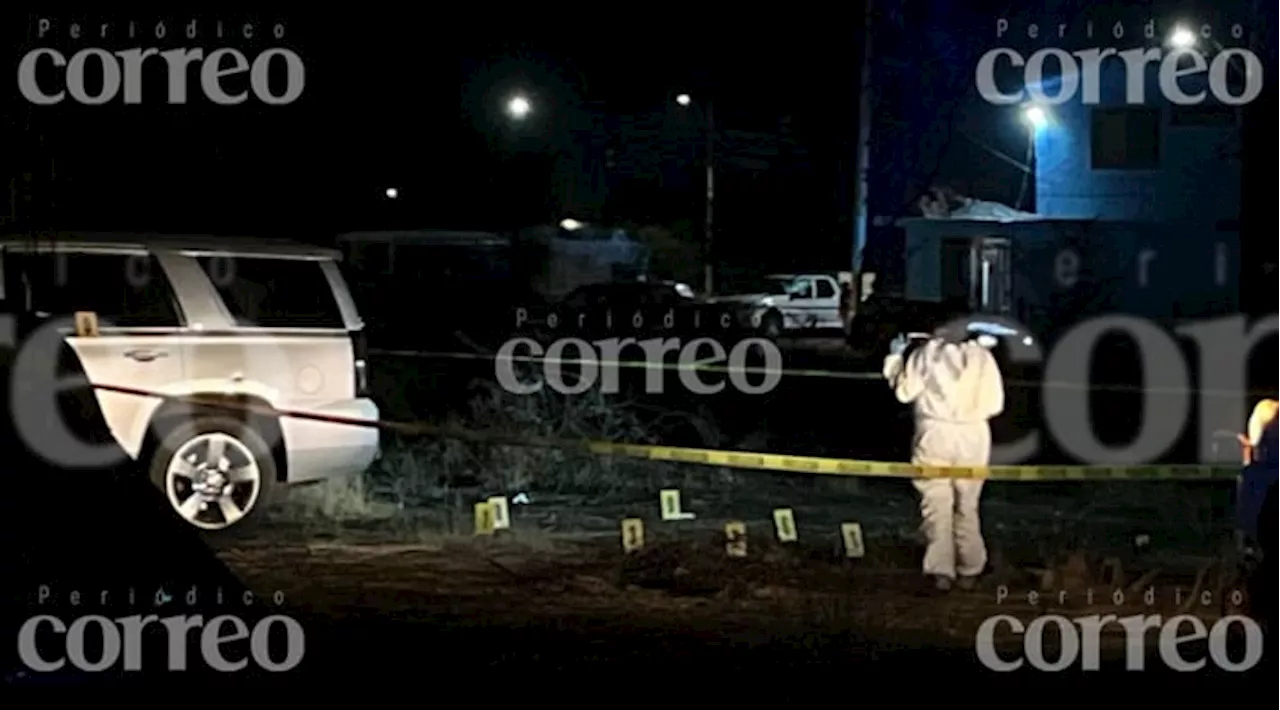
x: 784, y: 303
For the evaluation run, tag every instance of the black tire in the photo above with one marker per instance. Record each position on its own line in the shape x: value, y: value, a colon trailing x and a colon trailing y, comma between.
x: 771, y: 325
x: 173, y: 438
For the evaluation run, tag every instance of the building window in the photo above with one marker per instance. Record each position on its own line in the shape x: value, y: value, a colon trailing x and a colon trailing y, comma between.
x: 1125, y: 138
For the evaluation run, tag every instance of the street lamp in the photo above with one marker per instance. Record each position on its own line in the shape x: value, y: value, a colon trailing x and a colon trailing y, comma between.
x: 519, y: 107
x: 708, y: 269
x: 1035, y: 117
x: 1182, y: 38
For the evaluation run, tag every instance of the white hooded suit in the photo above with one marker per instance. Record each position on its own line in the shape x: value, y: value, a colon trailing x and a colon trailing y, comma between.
x: 955, y: 389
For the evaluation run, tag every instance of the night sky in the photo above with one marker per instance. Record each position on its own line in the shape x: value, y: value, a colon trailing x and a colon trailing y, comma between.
x: 415, y: 101
x: 417, y: 104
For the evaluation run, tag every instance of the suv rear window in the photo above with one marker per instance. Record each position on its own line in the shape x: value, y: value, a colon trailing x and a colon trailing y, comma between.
x: 127, y: 291
x: 274, y: 293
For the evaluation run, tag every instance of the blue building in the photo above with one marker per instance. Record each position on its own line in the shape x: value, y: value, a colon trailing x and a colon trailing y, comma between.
x: 1137, y: 199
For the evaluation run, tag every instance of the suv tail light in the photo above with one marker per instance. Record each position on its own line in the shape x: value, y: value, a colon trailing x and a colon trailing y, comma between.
x: 360, y: 350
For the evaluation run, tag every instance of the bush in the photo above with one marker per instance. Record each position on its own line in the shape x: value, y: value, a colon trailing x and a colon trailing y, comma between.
x: 416, y: 472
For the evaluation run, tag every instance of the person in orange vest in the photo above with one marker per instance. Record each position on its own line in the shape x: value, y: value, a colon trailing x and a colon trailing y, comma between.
x: 1256, y: 506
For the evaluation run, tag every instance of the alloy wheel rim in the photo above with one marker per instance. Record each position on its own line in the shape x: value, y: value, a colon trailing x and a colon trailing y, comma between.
x: 213, y: 481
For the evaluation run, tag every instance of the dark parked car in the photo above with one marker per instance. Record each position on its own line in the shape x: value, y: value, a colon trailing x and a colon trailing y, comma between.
x: 622, y: 309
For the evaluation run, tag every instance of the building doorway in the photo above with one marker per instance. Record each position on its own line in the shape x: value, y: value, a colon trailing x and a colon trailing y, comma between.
x: 977, y: 271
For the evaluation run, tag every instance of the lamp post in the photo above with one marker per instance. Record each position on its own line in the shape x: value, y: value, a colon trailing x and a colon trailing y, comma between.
x: 1036, y: 119
x: 708, y: 235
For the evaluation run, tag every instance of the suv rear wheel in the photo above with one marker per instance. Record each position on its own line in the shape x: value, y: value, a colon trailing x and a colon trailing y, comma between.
x: 215, y: 472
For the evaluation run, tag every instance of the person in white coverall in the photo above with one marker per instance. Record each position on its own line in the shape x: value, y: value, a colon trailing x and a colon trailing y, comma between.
x: 955, y: 388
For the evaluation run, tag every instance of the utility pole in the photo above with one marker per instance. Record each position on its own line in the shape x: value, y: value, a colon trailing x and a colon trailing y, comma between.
x: 709, y: 233
x: 862, y: 160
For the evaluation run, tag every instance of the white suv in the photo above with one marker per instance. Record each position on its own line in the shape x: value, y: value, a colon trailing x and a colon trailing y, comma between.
x: 264, y: 326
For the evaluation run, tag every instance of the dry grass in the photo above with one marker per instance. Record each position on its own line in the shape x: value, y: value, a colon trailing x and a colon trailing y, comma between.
x: 416, y: 474
x: 425, y: 487
x: 415, y: 471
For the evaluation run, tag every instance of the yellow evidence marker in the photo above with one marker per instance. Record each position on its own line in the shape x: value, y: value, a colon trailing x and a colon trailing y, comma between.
x: 484, y: 518
x: 86, y: 324
x: 784, y: 521
x: 671, y: 507
x: 735, y: 539
x: 852, y: 534
x: 632, y: 534
x: 501, y: 512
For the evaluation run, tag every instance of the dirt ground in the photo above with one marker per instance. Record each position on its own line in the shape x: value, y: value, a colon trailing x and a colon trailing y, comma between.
x: 555, y: 607
x: 556, y: 598
x: 529, y: 599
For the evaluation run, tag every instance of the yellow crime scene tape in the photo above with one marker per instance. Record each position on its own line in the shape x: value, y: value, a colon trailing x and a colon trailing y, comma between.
x: 886, y: 469
x: 780, y: 463
x: 786, y: 372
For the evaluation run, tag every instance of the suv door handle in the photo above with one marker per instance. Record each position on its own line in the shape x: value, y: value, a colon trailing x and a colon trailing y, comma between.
x: 145, y: 355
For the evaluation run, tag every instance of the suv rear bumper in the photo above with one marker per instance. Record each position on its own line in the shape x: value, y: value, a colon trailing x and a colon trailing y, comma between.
x: 316, y: 449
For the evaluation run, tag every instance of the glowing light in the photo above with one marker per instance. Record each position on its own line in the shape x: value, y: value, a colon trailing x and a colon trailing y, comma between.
x: 684, y: 99
x: 1182, y: 38
x: 1035, y: 116
x: 519, y: 107
x: 392, y: 193
x: 570, y: 224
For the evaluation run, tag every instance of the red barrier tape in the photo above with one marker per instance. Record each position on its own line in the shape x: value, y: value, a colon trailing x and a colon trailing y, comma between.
x: 398, y: 427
